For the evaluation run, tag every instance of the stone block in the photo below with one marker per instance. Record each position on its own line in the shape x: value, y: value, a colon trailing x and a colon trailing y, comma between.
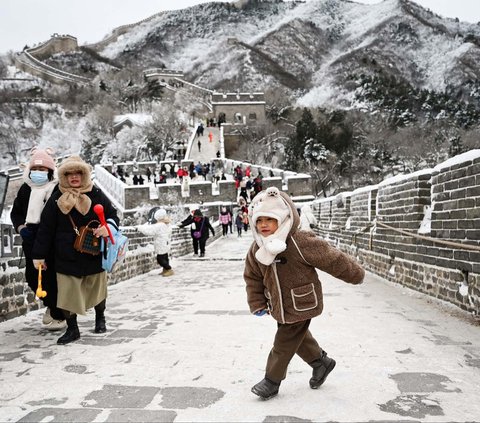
x: 227, y: 190
x: 136, y: 195
x: 299, y: 185
x: 272, y: 182
x: 200, y: 192
x: 169, y: 194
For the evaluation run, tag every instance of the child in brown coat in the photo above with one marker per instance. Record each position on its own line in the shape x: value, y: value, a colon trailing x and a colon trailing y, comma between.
x: 281, y: 278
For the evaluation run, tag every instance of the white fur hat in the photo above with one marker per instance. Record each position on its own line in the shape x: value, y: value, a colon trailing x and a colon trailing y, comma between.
x: 269, y: 204
x: 160, y: 214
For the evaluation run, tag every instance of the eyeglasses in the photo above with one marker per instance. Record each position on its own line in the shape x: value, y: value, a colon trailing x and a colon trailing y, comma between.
x: 75, y: 172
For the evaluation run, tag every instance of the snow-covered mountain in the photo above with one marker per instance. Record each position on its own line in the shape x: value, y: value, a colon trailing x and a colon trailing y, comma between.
x: 316, y: 49
x: 402, y: 64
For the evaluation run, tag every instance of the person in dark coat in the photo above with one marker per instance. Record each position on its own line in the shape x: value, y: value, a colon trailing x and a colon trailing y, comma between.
x: 198, y: 224
x: 82, y: 282
x: 239, y: 222
x: 40, y: 181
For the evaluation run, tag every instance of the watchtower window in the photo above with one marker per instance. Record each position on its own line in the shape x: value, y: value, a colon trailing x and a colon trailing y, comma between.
x: 252, y: 116
x: 238, y: 117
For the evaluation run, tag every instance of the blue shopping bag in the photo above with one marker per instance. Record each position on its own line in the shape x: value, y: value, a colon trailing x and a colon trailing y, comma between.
x: 113, y: 254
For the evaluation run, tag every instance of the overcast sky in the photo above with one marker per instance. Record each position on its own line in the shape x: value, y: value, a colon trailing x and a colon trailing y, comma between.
x: 32, y: 21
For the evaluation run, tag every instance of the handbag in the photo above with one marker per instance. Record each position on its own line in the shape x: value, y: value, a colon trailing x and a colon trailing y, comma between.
x: 198, y: 234
x: 85, y: 241
x: 114, y: 254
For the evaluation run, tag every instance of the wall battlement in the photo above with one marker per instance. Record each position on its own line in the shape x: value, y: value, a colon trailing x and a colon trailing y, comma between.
x: 420, y: 230
x: 17, y: 299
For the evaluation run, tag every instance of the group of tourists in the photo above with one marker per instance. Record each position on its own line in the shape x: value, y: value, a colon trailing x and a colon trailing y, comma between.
x: 280, y: 270
x: 49, y: 208
x: 170, y: 173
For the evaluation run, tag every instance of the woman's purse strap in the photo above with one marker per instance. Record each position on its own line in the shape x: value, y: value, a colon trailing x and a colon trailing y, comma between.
x: 73, y: 225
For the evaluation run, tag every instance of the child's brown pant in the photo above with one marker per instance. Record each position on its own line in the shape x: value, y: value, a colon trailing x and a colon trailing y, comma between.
x: 291, y: 339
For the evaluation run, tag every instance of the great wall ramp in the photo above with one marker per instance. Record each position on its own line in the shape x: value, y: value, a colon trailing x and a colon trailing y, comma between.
x: 186, y: 348
x: 30, y: 61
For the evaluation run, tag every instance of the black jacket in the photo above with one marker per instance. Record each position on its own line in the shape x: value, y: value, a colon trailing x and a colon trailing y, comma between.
x: 198, y: 225
x: 20, y: 205
x: 56, y: 232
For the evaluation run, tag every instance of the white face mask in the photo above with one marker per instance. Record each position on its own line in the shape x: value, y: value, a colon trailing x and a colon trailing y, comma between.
x: 39, y: 177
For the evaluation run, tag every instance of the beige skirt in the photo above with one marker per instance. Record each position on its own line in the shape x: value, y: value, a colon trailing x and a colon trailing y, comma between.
x: 78, y: 294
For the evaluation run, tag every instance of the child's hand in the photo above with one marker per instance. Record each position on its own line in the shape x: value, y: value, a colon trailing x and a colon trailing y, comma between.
x: 260, y: 313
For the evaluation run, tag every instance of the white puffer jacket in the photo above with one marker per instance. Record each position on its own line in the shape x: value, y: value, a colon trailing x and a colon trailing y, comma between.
x: 162, y: 235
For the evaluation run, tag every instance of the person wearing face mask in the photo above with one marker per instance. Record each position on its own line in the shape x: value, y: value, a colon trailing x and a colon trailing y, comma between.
x: 40, y: 181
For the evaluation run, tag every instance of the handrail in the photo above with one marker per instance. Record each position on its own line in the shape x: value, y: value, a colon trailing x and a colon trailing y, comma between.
x: 428, y: 238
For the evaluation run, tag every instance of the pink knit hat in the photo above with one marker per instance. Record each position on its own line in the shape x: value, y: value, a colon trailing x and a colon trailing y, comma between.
x: 42, y: 158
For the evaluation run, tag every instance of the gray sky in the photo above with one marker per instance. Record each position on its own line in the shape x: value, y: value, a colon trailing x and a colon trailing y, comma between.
x: 32, y: 21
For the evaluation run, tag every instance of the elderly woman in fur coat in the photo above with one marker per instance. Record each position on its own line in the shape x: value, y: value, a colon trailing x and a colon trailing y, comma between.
x: 281, y: 280
x: 82, y: 282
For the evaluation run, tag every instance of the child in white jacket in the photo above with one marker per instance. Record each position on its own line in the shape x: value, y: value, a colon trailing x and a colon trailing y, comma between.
x: 161, y: 231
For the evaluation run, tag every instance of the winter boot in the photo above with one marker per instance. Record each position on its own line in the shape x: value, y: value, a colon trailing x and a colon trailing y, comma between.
x: 168, y: 272
x: 72, y: 333
x: 266, y: 388
x: 100, y: 324
x: 321, y: 368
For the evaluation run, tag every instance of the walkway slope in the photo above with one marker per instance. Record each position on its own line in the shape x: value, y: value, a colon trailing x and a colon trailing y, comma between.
x: 186, y: 349
x: 208, y: 150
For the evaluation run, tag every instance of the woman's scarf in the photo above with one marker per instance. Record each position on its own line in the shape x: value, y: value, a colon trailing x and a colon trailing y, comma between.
x: 270, y: 246
x: 38, y: 197
x: 75, y: 198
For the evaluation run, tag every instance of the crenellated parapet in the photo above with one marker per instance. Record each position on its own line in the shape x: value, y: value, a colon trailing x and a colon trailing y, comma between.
x: 16, y: 298
x: 421, y: 230
x: 30, y: 60
x: 56, y: 44
x: 128, y: 198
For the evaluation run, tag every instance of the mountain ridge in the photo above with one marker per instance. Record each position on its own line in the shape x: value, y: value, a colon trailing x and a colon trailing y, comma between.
x: 298, y: 45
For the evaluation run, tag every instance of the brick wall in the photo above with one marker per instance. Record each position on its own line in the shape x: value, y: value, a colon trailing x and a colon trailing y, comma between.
x: 17, y: 299
x: 430, y: 206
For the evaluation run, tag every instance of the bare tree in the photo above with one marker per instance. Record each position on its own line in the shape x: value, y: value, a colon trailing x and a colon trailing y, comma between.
x: 164, y: 132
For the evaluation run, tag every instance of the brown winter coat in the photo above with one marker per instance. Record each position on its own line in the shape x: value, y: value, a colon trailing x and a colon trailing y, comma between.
x: 290, y: 287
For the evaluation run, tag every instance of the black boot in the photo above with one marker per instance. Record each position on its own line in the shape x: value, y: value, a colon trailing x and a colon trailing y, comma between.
x: 321, y: 368
x: 72, y: 333
x: 100, y: 326
x: 266, y: 388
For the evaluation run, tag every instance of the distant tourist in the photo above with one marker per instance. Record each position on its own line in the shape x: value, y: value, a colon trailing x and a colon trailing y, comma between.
x: 199, y: 230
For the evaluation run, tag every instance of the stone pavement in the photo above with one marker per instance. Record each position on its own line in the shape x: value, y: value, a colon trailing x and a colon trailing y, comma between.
x: 208, y: 150
x: 185, y: 349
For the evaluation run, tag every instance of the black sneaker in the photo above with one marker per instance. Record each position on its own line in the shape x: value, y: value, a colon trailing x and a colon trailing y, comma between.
x: 321, y: 368
x: 266, y: 389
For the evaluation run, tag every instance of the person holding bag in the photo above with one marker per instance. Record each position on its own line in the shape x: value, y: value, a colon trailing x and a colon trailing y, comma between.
x: 82, y: 282
x: 199, y: 229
